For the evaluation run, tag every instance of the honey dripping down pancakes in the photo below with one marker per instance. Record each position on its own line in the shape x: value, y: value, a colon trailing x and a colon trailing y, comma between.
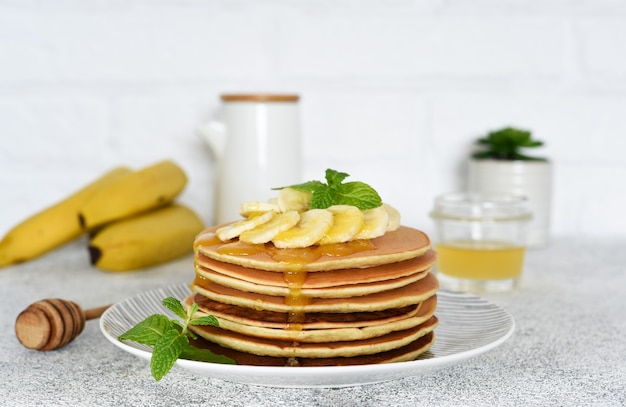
x: 316, y: 287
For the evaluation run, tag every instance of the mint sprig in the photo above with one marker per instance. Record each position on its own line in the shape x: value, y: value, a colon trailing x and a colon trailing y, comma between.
x: 336, y: 192
x: 170, y: 338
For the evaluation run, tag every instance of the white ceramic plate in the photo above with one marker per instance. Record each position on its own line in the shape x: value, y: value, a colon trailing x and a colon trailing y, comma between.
x: 468, y: 326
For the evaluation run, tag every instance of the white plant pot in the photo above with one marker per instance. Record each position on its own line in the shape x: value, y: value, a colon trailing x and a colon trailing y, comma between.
x: 532, y: 179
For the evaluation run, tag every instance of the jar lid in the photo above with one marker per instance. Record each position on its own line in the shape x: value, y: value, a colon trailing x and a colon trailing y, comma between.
x: 259, y: 97
x: 466, y: 206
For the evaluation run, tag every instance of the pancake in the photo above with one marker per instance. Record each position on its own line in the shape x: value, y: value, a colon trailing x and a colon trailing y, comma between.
x: 402, y: 354
x: 206, y: 276
x: 329, y: 278
x: 289, y: 349
x: 410, y: 294
x: 402, y: 244
x: 304, y: 333
x: 312, y: 320
x: 358, y: 302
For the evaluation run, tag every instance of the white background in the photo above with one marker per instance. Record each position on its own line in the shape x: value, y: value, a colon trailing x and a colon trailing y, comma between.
x: 393, y: 92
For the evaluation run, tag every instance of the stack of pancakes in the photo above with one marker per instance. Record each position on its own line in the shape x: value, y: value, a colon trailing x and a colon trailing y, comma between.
x: 360, y: 302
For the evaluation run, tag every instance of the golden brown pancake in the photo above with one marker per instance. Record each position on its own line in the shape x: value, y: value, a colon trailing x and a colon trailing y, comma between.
x: 307, y: 333
x: 206, y: 276
x: 312, y: 320
x: 329, y: 278
x: 410, y: 294
x: 289, y: 349
x: 402, y: 354
x: 304, y: 335
x: 402, y: 244
x: 406, y: 353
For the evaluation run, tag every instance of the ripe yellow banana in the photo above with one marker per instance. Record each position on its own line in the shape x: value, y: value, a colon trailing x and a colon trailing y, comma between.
x: 290, y: 199
x: 148, y: 239
x: 235, y: 229
x: 250, y: 209
x: 375, y: 223
x: 148, y: 188
x: 268, y: 230
x: 394, y: 217
x: 53, y: 226
x: 311, y: 227
x: 347, y: 222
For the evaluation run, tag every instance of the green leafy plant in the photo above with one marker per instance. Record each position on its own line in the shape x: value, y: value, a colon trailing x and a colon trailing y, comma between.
x: 170, y: 338
x: 336, y: 192
x: 505, y: 144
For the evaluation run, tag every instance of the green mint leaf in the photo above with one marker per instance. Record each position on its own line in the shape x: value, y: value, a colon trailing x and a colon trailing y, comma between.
x: 178, y: 325
x: 322, y: 199
x: 204, y: 355
x: 148, y: 331
x: 309, y: 186
x: 358, y: 194
x: 335, y: 178
x: 335, y: 192
x: 166, y: 351
x: 206, y: 320
x: 175, y: 306
x: 192, y: 335
x: 170, y: 338
x: 192, y: 311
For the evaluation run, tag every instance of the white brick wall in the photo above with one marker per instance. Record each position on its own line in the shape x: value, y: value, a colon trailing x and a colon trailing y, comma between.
x: 393, y: 92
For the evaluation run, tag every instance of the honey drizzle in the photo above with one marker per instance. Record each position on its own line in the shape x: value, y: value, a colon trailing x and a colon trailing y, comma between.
x: 295, y: 299
x: 201, y: 280
x: 296, y: 259
x: 206, y: 239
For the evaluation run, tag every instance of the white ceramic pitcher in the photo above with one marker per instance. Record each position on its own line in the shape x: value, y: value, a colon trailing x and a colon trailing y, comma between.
x: 257, y: 148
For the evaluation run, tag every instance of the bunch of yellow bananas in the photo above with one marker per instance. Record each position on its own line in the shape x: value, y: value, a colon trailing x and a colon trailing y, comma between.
x: 131, y: 216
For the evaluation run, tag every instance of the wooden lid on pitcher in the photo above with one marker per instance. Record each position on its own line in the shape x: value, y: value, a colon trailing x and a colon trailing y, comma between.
x: 259, y: 97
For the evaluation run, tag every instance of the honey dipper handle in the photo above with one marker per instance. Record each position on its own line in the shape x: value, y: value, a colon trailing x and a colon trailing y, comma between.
x: 94, y: 313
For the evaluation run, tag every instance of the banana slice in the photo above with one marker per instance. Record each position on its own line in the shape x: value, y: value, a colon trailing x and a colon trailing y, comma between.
x: 268, y: 230
x: 394, y: 217
x: 311, y: 227
x: 347, y: 222
x: 248, y: 209
x: 235, y: 229
x: 375, y: 223
x: 290, y: 199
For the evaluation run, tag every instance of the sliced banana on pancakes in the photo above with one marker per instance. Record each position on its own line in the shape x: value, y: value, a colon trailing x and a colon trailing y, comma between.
x: 269, y: 230
x: 347, y: 222
x: 235, y: 229
x: 311, y: 228
x: 288, y: 222
x: 290, y: 199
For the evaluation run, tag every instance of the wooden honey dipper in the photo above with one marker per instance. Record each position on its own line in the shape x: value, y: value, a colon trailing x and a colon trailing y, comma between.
x: 52, y: 323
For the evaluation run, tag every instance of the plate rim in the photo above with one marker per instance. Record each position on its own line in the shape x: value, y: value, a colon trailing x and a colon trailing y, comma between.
x: 306, y: 372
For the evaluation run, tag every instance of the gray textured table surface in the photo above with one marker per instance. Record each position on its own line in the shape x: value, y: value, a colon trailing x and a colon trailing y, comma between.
x: 569, y: 347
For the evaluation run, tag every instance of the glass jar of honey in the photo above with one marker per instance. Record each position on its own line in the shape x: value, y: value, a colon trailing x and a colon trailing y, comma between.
x: 480, y: 240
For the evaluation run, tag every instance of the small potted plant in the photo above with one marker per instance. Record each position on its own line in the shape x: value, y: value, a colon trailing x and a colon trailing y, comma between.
x: 502, y: 165
x: 506, y: 144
